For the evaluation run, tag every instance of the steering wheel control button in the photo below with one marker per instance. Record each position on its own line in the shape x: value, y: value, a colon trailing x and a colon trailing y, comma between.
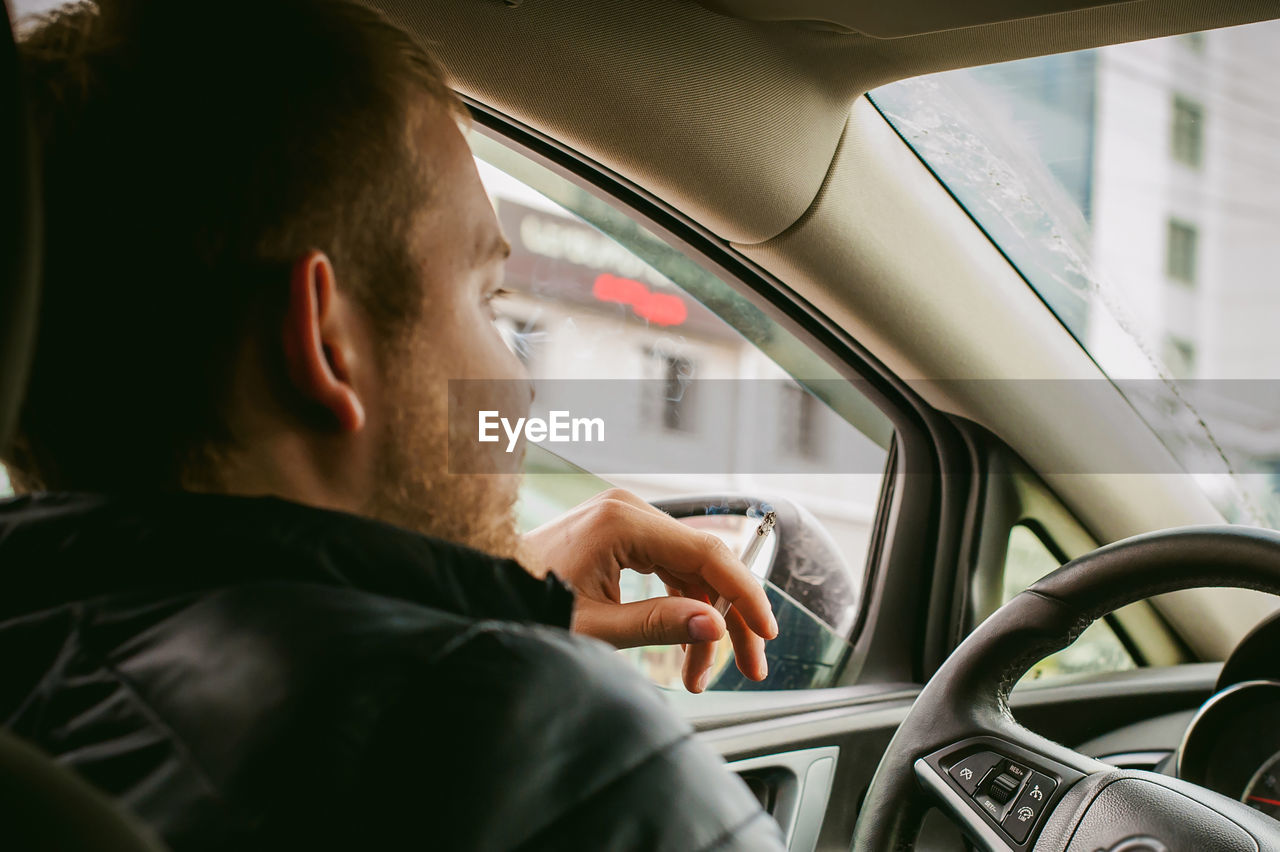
x: 1028, y: 807
x: 970, y: 771
x: 990, y: 805
x: 1003, y: 786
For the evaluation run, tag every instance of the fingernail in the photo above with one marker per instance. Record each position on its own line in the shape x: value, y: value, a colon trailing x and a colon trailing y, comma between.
x: 703, y: 628
x: 773, y: 622
x: 702, y: 680
x: 764, y: 669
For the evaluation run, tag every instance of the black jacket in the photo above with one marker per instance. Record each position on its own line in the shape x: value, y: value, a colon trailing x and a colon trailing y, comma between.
x: 254, y: 674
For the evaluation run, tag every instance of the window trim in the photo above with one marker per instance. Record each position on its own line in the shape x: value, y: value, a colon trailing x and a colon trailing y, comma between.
x: 901, y: 570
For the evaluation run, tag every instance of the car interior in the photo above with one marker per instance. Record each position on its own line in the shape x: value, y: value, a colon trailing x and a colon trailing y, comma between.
x: 829, y: 199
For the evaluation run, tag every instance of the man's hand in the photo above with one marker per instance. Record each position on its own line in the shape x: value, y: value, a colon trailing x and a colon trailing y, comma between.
x: 615, y: 531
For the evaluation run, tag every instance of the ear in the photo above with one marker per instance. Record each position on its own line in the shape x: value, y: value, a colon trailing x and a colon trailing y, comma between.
x: 320, y: 343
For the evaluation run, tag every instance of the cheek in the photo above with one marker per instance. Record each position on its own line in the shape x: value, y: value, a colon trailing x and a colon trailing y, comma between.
x: 488, y: 354
x: 463, y: 343
x: 510, y: 375
x: 473, y: 349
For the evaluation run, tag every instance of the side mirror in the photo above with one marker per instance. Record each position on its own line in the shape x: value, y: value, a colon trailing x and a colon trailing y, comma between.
x: 814, y: 595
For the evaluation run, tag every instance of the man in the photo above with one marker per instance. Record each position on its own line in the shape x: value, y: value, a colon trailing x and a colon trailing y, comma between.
x: 246, y: 596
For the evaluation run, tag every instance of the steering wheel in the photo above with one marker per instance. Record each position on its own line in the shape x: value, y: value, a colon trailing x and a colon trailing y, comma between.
x: 960, y: 749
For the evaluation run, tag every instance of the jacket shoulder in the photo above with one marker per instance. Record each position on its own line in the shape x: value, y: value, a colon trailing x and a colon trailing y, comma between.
x: 523, y: 736
x: 330, y: 718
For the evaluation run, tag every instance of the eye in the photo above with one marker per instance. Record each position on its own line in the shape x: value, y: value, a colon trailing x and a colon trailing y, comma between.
x: 491, y: 297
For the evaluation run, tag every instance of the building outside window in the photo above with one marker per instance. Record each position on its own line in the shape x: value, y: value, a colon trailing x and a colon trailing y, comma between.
x: 1174, y: 237
x: 1180, y: 252
x: 1188, y: 131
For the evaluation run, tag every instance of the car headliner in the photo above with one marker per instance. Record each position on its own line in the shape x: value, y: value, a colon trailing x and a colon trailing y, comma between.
x: 756, y: 131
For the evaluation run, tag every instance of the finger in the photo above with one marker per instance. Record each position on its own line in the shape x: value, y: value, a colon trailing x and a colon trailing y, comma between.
x: 676, y: 593
x: 689, y: 587
x: 657, y: 621
x: 622, y: 495
x: 748, y: 647
x: 698, y: 661
x: 685, y: 554
x: 609, y: 495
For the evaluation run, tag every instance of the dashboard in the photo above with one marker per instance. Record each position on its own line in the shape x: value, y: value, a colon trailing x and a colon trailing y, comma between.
x: 1231, y: 744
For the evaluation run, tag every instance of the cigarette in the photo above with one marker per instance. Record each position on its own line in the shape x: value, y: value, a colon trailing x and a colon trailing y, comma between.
x: 750, y: 553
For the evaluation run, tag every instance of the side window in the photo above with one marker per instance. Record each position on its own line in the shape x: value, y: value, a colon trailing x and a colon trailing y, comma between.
x: 703, y: 396
x: 1098, y: 649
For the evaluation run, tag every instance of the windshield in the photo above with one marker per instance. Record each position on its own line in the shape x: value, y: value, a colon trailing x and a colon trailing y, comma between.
x: 1137, y: 189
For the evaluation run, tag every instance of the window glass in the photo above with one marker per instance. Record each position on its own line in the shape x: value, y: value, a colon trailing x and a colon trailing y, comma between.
x: 721, y: 399
x: 1181, y: 254
x: 1137, y: 188
x: 1188, y: 131
x: 1096, y: 650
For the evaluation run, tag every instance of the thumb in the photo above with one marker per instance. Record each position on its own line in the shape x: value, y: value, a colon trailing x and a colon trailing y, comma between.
x: 657, y: 621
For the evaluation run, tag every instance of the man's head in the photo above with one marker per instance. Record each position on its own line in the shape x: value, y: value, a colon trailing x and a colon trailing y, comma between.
x: 266, y: 251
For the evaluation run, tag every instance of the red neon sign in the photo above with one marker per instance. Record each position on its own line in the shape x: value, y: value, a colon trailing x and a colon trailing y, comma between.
x: 658, y: 308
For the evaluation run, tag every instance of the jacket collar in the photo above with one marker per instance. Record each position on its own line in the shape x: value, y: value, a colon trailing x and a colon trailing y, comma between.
x: 59, y: 548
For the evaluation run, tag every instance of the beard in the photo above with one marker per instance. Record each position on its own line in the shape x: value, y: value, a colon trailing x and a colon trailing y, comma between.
x: 466, y: 498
